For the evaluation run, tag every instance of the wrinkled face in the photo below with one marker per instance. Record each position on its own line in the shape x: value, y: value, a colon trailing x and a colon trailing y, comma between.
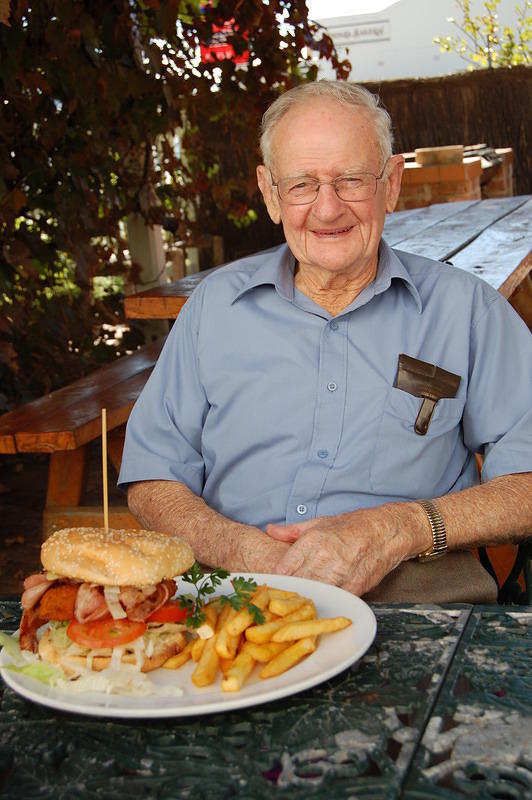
x: 325, y: 139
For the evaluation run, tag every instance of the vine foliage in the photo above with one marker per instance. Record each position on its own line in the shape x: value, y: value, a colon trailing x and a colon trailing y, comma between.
x: 107, y: 111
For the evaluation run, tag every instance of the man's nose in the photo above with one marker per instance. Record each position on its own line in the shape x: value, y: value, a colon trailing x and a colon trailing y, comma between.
x: 327, y: 204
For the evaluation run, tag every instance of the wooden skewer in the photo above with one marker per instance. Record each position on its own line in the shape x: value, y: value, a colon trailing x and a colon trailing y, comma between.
x: 104, y: 470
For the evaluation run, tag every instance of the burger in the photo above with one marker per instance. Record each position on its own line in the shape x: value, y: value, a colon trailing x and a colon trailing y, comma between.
x: 107, y: 600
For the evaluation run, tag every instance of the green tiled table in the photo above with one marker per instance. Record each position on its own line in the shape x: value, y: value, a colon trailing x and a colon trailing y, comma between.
x: 439, y: 707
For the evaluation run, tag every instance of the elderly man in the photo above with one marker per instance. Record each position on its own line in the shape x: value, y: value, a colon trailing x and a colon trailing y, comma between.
x: 317, y: 408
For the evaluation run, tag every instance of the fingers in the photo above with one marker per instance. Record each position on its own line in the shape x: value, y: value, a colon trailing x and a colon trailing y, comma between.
x: 284, y: 533
x: 310, y: 557
x: 291, y: 564
x: 319, y: 557
x: 354, y: 551
x: 292, y: 532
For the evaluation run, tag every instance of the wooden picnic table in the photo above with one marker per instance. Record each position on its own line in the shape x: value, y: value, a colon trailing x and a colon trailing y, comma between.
x: 65, y: 422
x: 490, y: 238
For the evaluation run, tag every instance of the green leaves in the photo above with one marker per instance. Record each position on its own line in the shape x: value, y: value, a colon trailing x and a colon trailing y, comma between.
x: 206, y: 584
x: 240, y: 598
x: 108, y: 111
x: 483, y: 43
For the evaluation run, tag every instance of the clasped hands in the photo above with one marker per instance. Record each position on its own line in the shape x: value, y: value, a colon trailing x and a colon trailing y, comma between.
x: 355, y: 550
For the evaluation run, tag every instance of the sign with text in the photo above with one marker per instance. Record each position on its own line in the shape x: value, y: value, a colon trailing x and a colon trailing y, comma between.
x: 360, y: 32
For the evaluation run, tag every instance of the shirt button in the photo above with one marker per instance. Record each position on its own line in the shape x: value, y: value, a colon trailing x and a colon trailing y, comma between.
x: 301, y: 509
x: 334, y: 326
x: 332, y: 386
x: 323, y: 453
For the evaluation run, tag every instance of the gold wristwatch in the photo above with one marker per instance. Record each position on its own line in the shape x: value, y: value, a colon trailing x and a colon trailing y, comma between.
x: 437, y: 525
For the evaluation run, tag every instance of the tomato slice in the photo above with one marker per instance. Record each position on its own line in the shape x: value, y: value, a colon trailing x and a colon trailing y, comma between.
x: 170, y: 612
x: 107, y: 632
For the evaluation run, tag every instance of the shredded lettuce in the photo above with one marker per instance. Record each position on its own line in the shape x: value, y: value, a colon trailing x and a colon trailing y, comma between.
x: 27, y: 663
x: 127, y: 679
x: 163, y: 630
x: 58, y: 635
x: 112, y: 594
x: 48, y: 674
x: 10, y: 644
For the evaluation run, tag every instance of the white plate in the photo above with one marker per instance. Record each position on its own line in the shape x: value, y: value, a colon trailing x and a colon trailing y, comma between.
x: 335, y: 652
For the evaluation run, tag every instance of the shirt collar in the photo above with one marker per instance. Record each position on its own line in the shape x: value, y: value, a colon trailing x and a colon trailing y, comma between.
x: 276, y: 268
x: 278, y: 265
x: 390, y: 267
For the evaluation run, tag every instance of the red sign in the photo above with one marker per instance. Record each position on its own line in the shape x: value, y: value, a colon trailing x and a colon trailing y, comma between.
x: 218, y: 47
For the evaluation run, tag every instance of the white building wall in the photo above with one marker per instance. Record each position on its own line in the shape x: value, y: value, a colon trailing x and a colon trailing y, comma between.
x: 397, y: 42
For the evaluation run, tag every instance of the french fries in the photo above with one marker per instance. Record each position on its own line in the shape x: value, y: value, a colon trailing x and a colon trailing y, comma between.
x: 230, y: 643
x: 310, y: 627
x: 243, y: 619
x: 241, y: 669
x: 207, y: 628
x: 280, y: 593
x: 227, y: 645
x: 285, y: 605
x: 197, y: 648
x: 288, y: 658
x: 265, y: 652
x: 207, y: 666
x: 263, y: 633
x: 225, y: 665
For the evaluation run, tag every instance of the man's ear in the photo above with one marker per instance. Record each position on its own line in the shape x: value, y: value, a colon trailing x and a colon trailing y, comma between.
x: 269, y: 193
x: 393, y: 182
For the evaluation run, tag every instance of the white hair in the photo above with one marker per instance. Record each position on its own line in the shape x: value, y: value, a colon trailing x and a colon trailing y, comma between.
x: 349, y: 94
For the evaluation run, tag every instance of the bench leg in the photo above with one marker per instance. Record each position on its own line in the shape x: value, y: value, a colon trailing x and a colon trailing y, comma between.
x: 66, y: 477
x: 521, y: 300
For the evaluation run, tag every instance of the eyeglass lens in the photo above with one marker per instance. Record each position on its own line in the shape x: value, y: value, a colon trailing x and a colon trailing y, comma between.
x: 299, y: 191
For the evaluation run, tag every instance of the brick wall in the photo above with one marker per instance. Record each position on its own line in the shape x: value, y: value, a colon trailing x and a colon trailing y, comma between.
x: 443, y: 174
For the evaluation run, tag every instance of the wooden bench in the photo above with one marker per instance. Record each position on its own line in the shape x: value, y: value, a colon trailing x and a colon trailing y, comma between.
x: 64, y: 423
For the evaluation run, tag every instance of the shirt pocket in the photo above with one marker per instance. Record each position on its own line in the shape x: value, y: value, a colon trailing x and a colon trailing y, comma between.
x: 408, y: 465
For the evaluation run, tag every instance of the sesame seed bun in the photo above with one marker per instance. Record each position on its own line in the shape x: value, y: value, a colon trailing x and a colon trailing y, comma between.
x: 116, y: 557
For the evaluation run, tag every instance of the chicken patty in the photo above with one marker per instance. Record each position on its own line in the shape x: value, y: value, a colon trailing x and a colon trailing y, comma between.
x: 58, y: 602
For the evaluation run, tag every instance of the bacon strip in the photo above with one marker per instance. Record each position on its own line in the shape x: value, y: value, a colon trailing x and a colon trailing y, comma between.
x: 34, y: 588
x: 35, y: 579
x: 139, y: 605
x: 29, y: 625
x: 90, y: 603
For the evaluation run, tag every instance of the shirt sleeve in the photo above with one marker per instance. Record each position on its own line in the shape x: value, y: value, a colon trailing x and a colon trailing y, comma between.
x: 498, y: 413
x: 163, y: 435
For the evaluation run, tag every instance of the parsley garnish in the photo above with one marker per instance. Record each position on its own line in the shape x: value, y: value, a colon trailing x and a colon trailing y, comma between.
x: 205, y: 584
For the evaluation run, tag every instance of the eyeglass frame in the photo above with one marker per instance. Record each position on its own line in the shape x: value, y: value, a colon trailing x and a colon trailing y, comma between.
x: 329, y: 183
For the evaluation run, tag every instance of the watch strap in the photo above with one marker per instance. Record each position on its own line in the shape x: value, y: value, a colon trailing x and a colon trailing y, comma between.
x: 437, y: 525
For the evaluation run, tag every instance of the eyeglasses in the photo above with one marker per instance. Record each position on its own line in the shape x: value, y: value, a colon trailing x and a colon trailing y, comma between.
x: 301, y: 190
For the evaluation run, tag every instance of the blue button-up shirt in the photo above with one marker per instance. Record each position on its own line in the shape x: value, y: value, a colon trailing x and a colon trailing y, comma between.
x: 274, y: 411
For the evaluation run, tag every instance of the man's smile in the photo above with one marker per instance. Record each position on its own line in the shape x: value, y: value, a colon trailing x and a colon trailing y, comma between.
x: 329, y: 234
